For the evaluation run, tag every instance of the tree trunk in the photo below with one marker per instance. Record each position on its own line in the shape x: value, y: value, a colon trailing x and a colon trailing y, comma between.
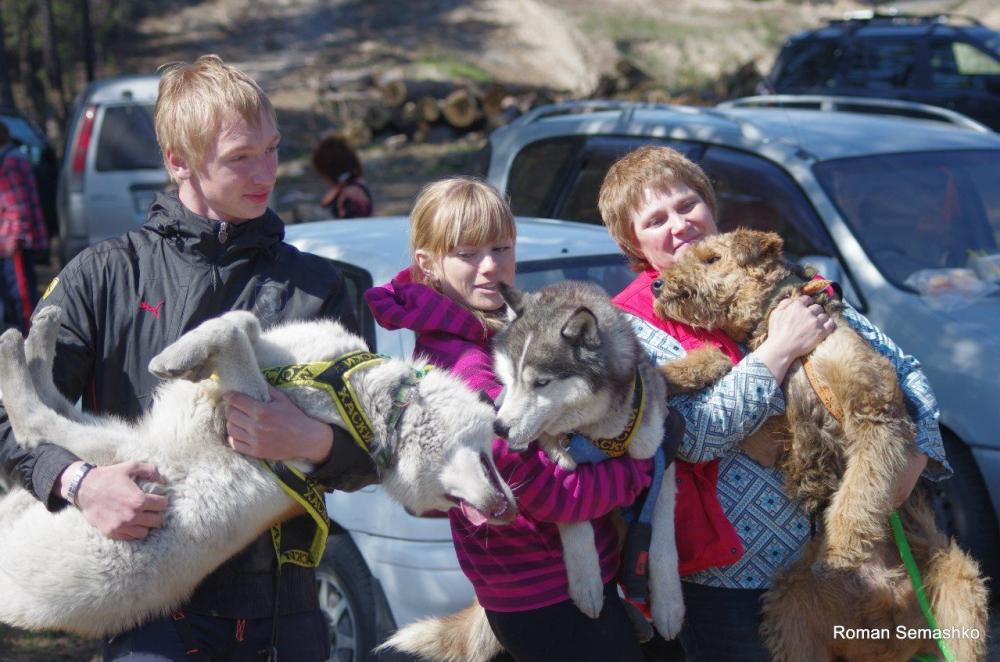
x: 50, y: 56
x: 6, y: 91
x: 88, y: 39
x: 28, y: 65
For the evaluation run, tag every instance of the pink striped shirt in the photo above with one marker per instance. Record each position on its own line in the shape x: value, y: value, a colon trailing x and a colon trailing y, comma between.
x: 517, y: 567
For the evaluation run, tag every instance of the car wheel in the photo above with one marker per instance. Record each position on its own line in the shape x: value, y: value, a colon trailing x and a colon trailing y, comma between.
x: 345, y: 594
x: 964, y: 509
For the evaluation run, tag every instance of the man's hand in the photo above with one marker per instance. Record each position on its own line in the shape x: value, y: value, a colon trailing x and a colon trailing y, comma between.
x: 275, y: 430
x: 111, y: 500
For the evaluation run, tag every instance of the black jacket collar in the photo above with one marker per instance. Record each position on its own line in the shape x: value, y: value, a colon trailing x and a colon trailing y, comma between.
x: 198, y: 234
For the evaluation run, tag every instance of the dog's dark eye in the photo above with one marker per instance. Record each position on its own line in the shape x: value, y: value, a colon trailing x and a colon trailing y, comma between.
x: 712, y: 259
x: 539, y: 383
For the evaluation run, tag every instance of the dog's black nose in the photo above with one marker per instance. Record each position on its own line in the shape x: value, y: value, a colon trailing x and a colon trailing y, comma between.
x: 656, y: 286
x: 500, y: 429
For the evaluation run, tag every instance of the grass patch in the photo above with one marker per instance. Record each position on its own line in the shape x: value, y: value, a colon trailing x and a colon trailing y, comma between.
x: 452, y: 67
x: 635, y: 26
x: 20, y: 646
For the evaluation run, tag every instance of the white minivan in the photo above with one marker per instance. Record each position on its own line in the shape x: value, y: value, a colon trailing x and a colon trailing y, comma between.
x: 111, y: 165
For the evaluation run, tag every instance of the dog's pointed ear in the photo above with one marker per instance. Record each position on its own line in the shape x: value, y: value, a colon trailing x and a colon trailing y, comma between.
x: 581, y: 329
x: 750, y: 246
x: 512, y: 297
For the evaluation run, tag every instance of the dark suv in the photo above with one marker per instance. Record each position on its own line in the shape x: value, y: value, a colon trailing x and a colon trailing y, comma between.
x: 942, y: 60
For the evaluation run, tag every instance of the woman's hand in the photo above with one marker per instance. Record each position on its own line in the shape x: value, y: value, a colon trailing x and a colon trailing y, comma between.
x: 794, y: 329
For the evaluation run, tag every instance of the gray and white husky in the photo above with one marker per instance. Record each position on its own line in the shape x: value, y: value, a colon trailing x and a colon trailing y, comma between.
x: 58, y: 572
x: 568, y: 361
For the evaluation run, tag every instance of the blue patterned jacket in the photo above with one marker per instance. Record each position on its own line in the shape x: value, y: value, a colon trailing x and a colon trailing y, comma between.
x: 772, y: 528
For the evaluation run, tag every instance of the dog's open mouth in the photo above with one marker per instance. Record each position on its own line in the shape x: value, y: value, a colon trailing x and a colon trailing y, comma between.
x: 501, y: 510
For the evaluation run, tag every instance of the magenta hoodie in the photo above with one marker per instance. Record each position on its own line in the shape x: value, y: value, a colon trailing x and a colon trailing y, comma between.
x: 517, y: 567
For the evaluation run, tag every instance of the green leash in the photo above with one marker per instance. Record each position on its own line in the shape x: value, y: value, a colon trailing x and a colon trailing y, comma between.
x: 906, y: 554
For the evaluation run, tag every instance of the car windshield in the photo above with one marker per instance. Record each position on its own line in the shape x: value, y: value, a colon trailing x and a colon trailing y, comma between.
x: 920, y: 210
x: 609, y: 271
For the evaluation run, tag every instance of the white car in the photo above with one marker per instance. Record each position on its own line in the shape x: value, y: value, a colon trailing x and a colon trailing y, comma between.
x: 384, y: 568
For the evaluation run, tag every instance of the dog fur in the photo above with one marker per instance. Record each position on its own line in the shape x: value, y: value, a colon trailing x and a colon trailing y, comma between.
x: 567, y: 360
x: 843, y: 471
x: 58, y: 572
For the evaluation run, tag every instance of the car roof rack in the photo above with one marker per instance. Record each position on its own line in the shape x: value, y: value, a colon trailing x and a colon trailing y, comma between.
x: 583, y: 106
x: 893, y: 107
x: 895, y: 17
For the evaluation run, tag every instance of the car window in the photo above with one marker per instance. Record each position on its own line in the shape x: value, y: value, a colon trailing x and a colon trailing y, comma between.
x: 611, y: 272
x: 808, y: 64
x: 357, y: 281
x: 882, y: 64
x: 959, y: 65
x: 923, y: 210
x: 537, y: 173
x: 128, y: 139
x: 756, y: 194
x: 578, y: 202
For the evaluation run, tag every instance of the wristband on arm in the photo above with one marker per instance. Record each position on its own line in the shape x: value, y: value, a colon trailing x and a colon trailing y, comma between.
x: 74, y: 483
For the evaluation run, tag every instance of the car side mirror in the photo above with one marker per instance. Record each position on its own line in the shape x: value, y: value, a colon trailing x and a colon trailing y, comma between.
x: 830, y: 268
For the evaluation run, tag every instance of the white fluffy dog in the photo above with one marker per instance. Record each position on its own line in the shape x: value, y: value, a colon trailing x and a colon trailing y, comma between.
x: 58, y: 572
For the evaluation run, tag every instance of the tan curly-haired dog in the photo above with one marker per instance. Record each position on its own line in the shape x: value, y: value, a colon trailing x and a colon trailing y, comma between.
x: 843, y: 469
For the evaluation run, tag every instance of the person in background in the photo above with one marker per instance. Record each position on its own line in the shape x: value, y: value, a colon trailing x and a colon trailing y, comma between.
x: 338, y: 164
x: 23, y: 236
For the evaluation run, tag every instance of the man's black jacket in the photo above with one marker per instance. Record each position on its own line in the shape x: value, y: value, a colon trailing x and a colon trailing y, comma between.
x: 124, y: 300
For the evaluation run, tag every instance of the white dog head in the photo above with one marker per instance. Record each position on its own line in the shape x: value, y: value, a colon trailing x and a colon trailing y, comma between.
x: 445, y: 455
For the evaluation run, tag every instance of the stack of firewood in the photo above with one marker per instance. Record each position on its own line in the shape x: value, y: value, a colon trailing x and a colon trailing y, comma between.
x: 366, y: 105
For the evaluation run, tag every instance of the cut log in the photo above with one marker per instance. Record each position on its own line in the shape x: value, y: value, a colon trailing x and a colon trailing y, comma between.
x: 357, y: 132
x: 461, y: 109
x: 346, y: 80
x: 427, y: 107
x: 492, y: 99
x: 377, y: 117
x: 397, y: 90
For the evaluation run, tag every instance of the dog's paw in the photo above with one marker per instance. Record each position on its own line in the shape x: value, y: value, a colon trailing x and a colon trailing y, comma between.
x: 588, y: 596
x: 46, y: 317
x: 11, y: 344
x: 668, y: 615
x: 45, y: 325
x: 182, y: 361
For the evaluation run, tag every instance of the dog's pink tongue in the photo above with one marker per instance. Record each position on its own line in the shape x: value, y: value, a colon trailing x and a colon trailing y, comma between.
x: 473, y: 515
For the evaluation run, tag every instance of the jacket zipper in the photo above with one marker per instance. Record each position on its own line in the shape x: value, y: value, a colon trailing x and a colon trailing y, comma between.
x: 223, y: 237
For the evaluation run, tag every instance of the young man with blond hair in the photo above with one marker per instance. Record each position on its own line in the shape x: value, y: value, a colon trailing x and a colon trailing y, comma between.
x: 211, y: 247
